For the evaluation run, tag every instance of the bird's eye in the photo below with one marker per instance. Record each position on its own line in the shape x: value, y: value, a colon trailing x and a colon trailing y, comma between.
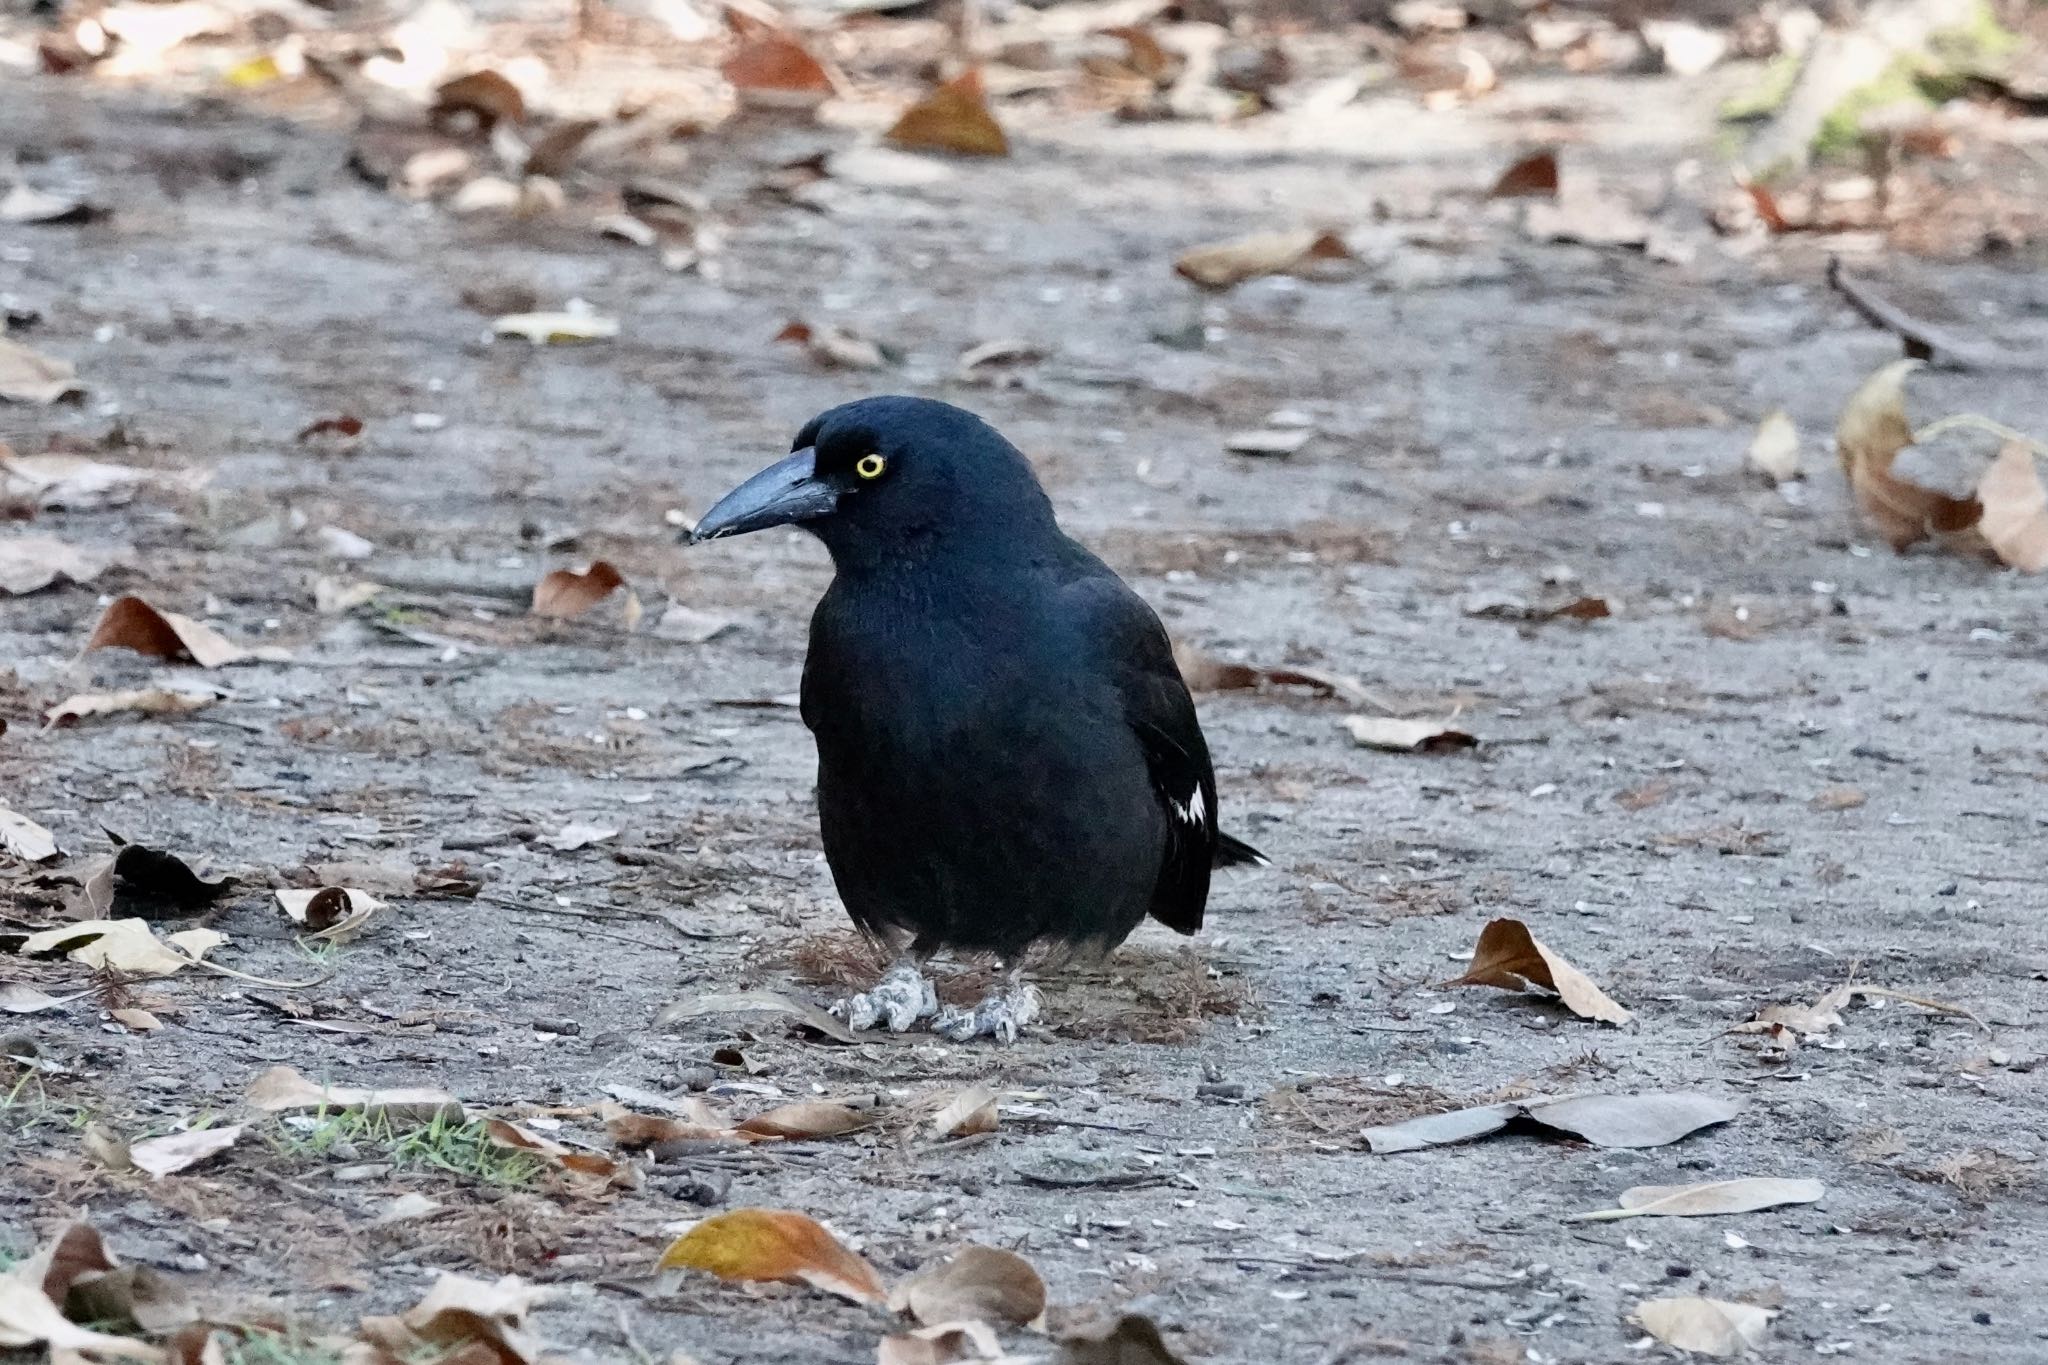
x: 870, y: 466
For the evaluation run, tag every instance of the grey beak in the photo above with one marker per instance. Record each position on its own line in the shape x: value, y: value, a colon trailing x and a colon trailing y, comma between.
x: 785, y: 493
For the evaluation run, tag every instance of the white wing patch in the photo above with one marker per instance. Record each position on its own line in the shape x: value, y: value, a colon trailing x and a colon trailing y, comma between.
x: 1195, y: 812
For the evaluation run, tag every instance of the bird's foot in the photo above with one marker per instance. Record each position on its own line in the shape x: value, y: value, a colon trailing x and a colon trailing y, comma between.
x: 1002, y: 1016
x: 903, y: 996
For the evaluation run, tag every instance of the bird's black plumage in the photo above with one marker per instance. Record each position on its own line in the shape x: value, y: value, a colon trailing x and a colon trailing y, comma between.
x: 1007, y: 754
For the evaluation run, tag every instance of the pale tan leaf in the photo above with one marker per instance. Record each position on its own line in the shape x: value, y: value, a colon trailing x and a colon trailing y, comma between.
x: 125, y: 945
x: 945, y: 1343
x: 1205, y: 672
x: 465, y: 1319
x: 28, y: 376
x: 979, y: 1282
x: 281, y: 1090
x: 18, y: 997
x: 774, y: 1244
x: 971, y: 1111
x: 751, y: 1002
x: 1219, y: 265
x: 1127, y: 1340
x: 1648, y: 1120
x: 565, y: 593
x: 131, y: 623
x: 574, y: 835
x: 146, y: 701
x: 333, y: 914
x: 1712, y: 1327
x: 1871, y: 432
x: 24, y: 838
x: 1508, y: 956
x: 1397, y: 735
x: 1774, y: 451
x: 140, y: 1021
x: 835, y: 346
x: 543, y: 329
x: 1746, y: 1195
x: 805, y: 1119
x: 162, y: 1156
x: 28, y: 1318
x: 2015, y: 519
x: 32, y: 563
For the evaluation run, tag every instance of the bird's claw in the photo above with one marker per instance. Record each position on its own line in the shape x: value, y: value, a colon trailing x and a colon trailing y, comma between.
x: 902, y: 997
x: 1002, y: 1016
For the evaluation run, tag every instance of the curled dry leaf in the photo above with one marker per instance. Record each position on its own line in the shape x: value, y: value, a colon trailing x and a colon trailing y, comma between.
x: 344, y: 426
x: 137, y: 1021
x: 771, y: 69
x: 979, y: 1282
x: 805, y: 1119
x: 836, y: 346
x: 1534, y: 176
x: 565, y: 593
x: 332, y: 914
x: 953, y: 118
x: 24, y: 838
x: 1220, y: 265
x: 573, y: 836
x: 28, y: 1318
x: 545, y: 329
x: 1715, y: 1197
x: 485, y: 95
x: 1510, y: 957
x: 20, y: 998
x: 1407, y: 736
x: 32, y: 563
x: 1712, y: 1327
x: 2015, y: 519
x: 1128, y: 1340
x: 971, y: 1111
x: 475, y: 1321
x: 281, y: 1090
x: 131, y: 623
x: 28, y: 376
x: 146, y: 701
x: 1651, y: 1120
x: 1774, y: 450
x: 125, y: 945
x: 945, y: 1343
x: 1873, y: 429
x: 594, y: 1167
x: 774, y: 1244
x: 754, y: 1002
x: 1207, y: 673
x: 630, y: 1131
x: 991, y: 359
x: 162, y: 1156
x: 71, y: 482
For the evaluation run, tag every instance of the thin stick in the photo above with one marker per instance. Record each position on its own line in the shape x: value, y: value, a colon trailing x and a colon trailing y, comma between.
x: 1925, y: 340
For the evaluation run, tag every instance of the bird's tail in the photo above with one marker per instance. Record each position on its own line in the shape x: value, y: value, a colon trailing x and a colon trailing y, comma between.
x: 1232, y: 852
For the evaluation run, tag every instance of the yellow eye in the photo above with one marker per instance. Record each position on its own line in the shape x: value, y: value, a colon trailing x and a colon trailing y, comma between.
x: 870, y: 466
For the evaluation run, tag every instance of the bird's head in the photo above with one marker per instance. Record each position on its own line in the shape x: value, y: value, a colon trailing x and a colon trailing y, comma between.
x: 884, y: 477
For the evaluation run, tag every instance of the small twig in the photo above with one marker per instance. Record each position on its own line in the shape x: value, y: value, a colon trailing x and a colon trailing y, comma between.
x: 1925, y: 340
x: 1938, y: 1006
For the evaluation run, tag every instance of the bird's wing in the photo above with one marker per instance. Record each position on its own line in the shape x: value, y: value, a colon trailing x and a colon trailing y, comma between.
x: 1156, y: 705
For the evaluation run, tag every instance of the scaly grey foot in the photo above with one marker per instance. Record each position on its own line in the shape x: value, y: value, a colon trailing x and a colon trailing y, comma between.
x: 903, y: 996
x: 1002, y: 1016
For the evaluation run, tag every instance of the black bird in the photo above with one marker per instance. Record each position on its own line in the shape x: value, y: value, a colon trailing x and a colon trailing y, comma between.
x: 1008, y: 756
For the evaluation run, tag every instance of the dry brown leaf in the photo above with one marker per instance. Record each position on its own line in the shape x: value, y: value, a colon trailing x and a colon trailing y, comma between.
x: 1774, y: 450
x: 1511, y: 958
x: 32, y: 563
x: 632, y: 1131
x: 2015, y: 516
x: 125, y: 945
x: 971, y: 1111
x: 946, y: 1343
x: 594, y: 1167
x: 953, y: 118
x: 1128, y: 1340
x: 1872, y: 431
x: 485, y: 95
x: 162, y: 1156
x: 983, y: 1283
x: 771, y: 69
x: 1397, y: 735
x: 774, y: 1244
x: 281, y: 1090
x: 1533, y: 176
x: 24, y: 838
x: 147, y: 701
x: 131, y: 623
x: 30, y: 377
x: 465, y: 1321
x: 1712, y: 1327
x: 1817, y: 1020
x: 805, y: 1119
x: 1747, y: 1195
x: 332, y: 914
x: 835, y: 346
x: 1220, y: 265
x: 565, y: 593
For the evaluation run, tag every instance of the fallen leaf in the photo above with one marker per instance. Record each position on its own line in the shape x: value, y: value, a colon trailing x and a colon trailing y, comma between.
x: 332, y: 914
x: 476, y: 1322
x: 632, y: 1131
x: 1510, y: 957
x: 953, y: 118
x: 162, y: 1156
x: 601, y: 1170
x: 333, y: 596
x: 805, y: 1119
x: 1774, y: 450
x: 1872, y: 431
x: 573, y: 836
x: 992, y: 359
x: 565, y: 594
x: 1206, y: 673
x: 131, y: 623
x: 20, y: 998
x: 971, y: 1111
x: 1746, y: 1195
x: 1407, y: 736
x: 1839, y: 797
x: 344, y: 426
x: 1650, y: 1120
x: 125, y: 945
x: 1535, y: 175
x: 1220, y: 265
x: 754, y: 1002
x: 281, y: 1090
x: 1440, y: 1130
x: 71, y: 482
x: 2015, y: 517
x: 26, y: 839
x: 978, y: 1282
x: 771, y: 69
x: 1589, y: 217
x: 544, y: 329
x: 32, y: 563
x: 140, y: 1021
x: 774, y: 1244
x: 946, y: 1343
x: 28, y: 1318
x: 147, y: 701
x: 1127, y: 1340
x: 29, y: 377
x: 27, y: 204
x: 486, y: 96
x: 106, y: 1147
x: 836, y: 346
x: 1269, y: 441
x: 1712, y: 1327
x: 689, y: 625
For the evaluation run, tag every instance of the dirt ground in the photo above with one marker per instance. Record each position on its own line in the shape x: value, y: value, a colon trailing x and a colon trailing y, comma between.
x: 1494, y: 417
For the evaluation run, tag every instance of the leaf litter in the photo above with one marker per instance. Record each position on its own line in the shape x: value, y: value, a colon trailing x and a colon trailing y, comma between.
x: 1509, y: 957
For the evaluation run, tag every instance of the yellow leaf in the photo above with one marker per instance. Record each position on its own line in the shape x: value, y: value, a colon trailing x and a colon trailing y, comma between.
x: 774, y: 1244
x: 1872, y: 431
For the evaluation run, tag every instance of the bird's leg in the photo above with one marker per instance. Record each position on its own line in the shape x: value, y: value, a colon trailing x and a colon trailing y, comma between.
x: 1001, y: 1016
x: 903, y: 996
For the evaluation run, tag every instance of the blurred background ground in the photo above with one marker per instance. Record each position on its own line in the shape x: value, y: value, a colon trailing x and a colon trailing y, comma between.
x: 288, y: 252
